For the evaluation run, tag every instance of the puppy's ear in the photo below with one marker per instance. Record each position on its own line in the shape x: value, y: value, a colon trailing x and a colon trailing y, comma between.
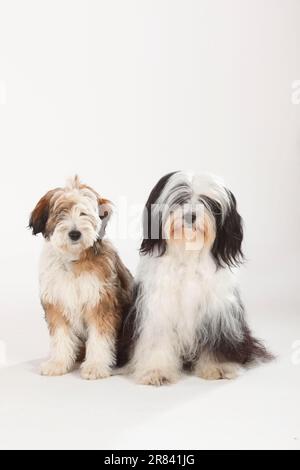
x: 105, y: 213
x: 40, y: 214
x: 227, y: 247
x: 105, y: 209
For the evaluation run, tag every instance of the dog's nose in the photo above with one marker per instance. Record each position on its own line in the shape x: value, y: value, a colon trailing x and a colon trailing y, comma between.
x: 190, y: 218
x: 74, y: 235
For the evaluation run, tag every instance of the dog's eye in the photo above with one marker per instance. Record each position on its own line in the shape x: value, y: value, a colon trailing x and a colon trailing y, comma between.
x: 82, y: 214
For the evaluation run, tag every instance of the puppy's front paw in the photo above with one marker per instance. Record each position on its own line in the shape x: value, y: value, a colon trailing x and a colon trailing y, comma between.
x: 218, y: 371
x: 157, y: 378
x: 54, y: 368
x: 94, y: 371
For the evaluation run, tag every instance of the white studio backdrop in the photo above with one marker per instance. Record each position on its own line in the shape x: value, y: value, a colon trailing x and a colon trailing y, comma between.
x: 122, y: 92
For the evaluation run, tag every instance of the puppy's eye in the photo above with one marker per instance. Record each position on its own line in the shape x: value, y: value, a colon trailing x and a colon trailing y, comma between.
x: 82, y: 214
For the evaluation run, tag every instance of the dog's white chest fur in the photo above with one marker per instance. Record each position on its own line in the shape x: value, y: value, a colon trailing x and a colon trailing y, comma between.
x: 60, y: 286
x: 181, y: 291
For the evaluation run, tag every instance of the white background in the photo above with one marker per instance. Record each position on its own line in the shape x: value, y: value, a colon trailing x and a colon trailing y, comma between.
x: 122, y: 92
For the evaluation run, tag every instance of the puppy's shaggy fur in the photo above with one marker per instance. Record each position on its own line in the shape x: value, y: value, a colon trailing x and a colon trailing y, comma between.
x: 84, y: 286
x: 188, y: 309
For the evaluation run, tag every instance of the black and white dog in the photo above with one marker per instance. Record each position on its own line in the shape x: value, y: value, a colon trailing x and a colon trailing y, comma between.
x: 187, y: 308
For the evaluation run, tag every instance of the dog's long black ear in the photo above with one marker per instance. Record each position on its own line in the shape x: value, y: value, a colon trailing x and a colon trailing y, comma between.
x: 152, y: 224
x: 227, y: 247
x: 40, y: 214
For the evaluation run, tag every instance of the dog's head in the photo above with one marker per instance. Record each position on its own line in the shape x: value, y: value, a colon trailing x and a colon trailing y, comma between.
x: 72, y: 219
x: 193, y: 213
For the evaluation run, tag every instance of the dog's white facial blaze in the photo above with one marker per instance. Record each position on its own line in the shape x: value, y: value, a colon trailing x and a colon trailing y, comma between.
x: 75, y: 210
x: 190, y: 226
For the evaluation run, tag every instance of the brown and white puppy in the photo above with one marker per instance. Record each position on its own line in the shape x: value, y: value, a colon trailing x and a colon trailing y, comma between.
x: 84, y: 286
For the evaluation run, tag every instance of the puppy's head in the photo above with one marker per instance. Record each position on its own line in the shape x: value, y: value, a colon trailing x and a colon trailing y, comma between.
x: 71, y: 218
x: 193, y: 213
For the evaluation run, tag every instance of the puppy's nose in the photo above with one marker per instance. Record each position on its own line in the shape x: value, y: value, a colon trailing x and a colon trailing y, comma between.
x: 74, y: 235
x: 190, y: 218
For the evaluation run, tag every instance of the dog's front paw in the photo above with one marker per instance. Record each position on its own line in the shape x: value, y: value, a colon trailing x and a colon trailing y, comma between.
x: 54, y: 368
x: 218, y: 371
x: 157, y: 378
x: 94, y: 371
